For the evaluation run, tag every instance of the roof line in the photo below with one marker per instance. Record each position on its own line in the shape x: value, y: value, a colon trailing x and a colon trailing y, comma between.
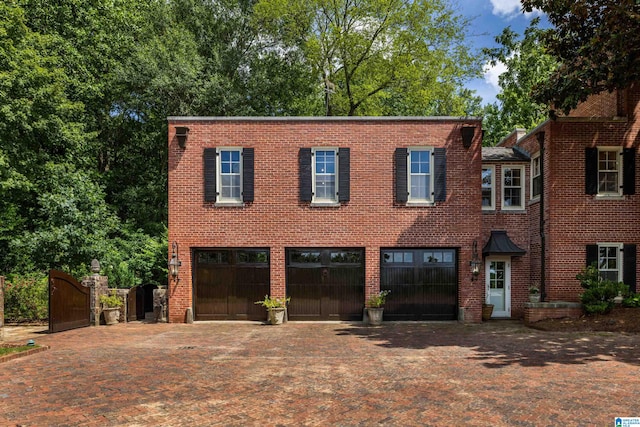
x: 318, y: 118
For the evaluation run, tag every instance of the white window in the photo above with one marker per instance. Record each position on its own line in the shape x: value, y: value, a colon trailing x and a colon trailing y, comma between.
x: 610, y: 171
x: 325, y: 177
x: 512, y: 187
x: 610, y: 261
x: 488, y: 188
x: 536, y: 178
x: 229, y: 182
x: 420, y: 174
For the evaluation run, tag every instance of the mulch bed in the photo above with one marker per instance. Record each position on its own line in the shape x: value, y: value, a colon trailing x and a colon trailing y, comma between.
x: 620, y: 319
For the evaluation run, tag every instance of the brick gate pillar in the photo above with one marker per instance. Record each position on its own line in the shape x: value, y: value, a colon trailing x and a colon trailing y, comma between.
x: 1, y: 308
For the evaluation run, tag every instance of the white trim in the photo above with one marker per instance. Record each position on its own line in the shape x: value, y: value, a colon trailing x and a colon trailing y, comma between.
x: 522, y: 187
x: 534, y: 157
x: 317, y: 201
x: 492, y: 168
x: 220, y: 200
x: 506, y: 291
x: 429, y: 200
x: 618, y: 170
x: 619, y: 256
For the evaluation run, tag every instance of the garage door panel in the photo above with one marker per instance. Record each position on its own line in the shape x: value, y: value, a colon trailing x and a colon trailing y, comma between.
x: 228, y: 282
x: 423, y: 283
x: 325, y: 284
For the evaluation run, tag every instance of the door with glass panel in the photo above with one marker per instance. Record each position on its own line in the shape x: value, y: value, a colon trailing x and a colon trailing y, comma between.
x: 498, y: 285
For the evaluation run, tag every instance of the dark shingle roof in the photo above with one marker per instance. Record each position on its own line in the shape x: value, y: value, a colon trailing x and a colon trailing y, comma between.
x: 502, y: 154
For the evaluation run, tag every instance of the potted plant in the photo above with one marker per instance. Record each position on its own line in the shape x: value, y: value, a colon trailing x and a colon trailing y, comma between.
x: 534, y: 293
x: 111, y: 307
x: 487, y: 311
x: 375, y: 307
x: 276, y: 308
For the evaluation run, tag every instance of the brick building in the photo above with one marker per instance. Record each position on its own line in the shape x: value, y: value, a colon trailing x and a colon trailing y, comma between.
x: 329, y: 210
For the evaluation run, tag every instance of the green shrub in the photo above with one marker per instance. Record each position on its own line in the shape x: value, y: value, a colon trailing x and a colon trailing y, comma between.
x: 26, y: 298
x: 599, y: 293
x: 632, y: 300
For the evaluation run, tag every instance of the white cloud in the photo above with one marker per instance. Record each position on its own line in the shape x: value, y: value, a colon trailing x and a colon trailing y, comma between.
x: 492, y: 74
x: 510, y: 9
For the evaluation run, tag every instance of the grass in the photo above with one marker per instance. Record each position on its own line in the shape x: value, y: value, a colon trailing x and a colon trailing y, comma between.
x: 10, y: 349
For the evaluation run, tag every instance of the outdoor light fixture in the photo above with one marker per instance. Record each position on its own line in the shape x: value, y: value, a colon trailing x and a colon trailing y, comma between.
x: 181, y: 135
x: 475, y: 262
x: 175, y: 263
x: 467, y: 133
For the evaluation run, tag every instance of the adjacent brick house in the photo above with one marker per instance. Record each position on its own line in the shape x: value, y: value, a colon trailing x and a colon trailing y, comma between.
x: 329, y: 210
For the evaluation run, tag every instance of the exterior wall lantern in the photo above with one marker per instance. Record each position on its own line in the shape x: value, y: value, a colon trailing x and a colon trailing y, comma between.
x: 181, y: 135
x: 475, y: 262
x: 467, y: 133
x: 174, y: 263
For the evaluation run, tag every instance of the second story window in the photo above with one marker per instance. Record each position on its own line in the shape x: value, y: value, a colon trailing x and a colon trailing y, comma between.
x: 609, y: 171
x: 229, y: 184
x: 325, y: 179
x: 420, y: 175
x: 512, y: 187
x: 488, y: 188
x: 536, y: 178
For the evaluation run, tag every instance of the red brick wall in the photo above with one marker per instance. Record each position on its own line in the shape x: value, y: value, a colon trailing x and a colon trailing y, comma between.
x: 516, y: 223
x: 277, y: 219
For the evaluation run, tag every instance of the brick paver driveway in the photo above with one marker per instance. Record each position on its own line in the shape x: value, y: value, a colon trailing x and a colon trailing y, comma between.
x: 400, y: 374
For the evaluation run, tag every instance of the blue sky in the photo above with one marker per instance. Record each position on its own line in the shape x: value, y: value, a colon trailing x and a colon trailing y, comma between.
x: 490, y: 17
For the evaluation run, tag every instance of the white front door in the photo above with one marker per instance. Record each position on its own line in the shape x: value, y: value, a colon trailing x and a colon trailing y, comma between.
x: 498, y: 285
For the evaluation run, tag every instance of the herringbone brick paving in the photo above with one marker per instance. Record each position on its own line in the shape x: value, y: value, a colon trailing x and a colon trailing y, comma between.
x: 320, y: 374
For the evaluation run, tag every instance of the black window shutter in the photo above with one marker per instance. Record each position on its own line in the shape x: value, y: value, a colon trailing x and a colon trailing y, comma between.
x: 629, y: 266
x: 247, y: 174
x: 402, y: 193
x: 210, y: 193
x: 344, y: 174
x: 591, y: 170
x: 592, y: 254
x: 629, y: 171
x: 440, y: 178
x: 304, y: 160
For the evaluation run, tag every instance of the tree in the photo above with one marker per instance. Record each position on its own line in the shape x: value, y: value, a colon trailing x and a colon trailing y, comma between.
x: 528, y: 65
x: 596, y: 43
x: 377, y: 57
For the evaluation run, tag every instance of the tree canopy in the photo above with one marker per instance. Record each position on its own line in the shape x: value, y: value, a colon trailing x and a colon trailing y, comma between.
x: 527, y: 66
x: 597, y: 46
x: 86, y: 87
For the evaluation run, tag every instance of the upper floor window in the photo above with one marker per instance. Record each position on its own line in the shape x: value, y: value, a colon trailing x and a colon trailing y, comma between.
x: 229, y: 185
x: 536, y: 177
x: 610, y: 171
x: 228, y: 175
x: 324, y: 175
x: 512, y: 187
x: 420, y: 175
x: 488, y: 188
x: 325, y: 179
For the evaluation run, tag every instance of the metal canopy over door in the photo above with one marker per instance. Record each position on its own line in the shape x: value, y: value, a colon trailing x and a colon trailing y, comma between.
x: 325, y: 284
x: 498, y: 285
x: 423, y: 283
x: 227, y: 282
x: 69, y: 302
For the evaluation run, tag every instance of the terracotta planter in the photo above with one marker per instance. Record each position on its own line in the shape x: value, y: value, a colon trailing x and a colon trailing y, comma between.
x: 111, y: 315
x: 487, y: 311
x: 375, y: 315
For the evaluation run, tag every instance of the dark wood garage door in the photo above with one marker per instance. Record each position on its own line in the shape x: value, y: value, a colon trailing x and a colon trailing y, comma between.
x: 325, y: 284
x: 423, y: 284
x: 228, y: 282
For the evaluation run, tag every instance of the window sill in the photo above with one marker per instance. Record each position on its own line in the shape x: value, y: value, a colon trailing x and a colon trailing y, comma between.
x: 514, y: 211
x: 228, y: 204
x: 420, y: 204
x: 609, y: 197
x: 325, y: 204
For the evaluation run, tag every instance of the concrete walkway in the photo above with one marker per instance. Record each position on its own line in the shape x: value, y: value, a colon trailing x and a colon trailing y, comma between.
x: 320, y: 374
